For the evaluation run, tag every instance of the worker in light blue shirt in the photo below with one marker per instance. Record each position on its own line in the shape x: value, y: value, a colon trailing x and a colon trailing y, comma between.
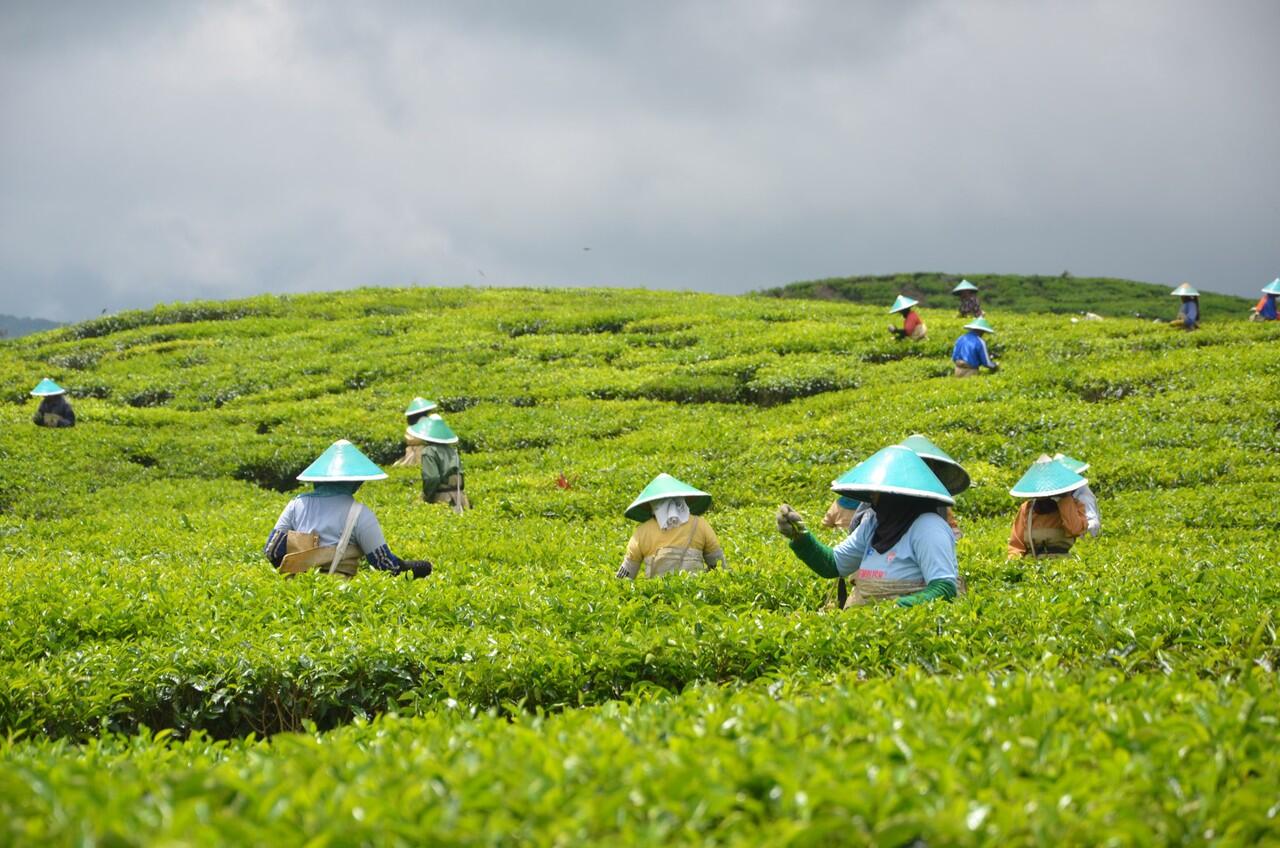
x: 903, y: 550
x: 1189, y: 312
x: 970, y: 352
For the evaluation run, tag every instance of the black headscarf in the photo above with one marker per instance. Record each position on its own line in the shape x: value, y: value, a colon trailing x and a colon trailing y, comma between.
x: 894, y: 516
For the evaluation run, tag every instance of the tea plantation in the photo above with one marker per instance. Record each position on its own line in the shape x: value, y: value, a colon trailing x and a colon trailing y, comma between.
x: 159, y: 683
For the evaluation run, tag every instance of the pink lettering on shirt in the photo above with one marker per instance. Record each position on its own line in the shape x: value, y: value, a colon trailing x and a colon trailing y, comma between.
x: 868, y: 574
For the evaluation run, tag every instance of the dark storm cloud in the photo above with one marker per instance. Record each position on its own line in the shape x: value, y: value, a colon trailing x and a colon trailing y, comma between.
x: 167, y: 151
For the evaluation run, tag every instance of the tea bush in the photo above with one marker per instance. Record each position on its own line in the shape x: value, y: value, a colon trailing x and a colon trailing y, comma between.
x: 1127, y: 693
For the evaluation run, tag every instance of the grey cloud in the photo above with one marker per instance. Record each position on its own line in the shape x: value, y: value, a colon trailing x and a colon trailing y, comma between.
x: 215, y: 151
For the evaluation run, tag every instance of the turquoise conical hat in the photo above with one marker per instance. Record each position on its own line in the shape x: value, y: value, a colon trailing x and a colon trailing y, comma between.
x: 903, y: 302
x: 946, y: 469
x: 666, y: 486
x: 419, y: 404
x: 981, y: 324
x: 1272, y: 287
x: 47, y: 387
x: 1185, y: 290
x: 342, y: 462
x: 1079, y: 466
x: 1047, y: 478
x: 433, y: 429
x: 964, y: 286
x: 894, y: 470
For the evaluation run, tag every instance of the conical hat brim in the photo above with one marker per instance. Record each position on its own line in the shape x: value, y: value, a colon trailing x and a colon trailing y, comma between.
x: 432, y: 430
x: 1185, y: 291
x: 946, y: 469
x: 902, y: 303
x: 981, y: 328
x: 1272, y: 287
x: 1072, y: 464
x: 418, y: 405
x: 47, y: 388
x: 661, y: 488
x: 894, y: 470
x: 1047, y: 480
x: 964, y: 286
x: 342, y: 462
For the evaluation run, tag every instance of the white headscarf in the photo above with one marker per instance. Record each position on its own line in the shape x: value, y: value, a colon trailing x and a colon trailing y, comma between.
x: 670, y: 512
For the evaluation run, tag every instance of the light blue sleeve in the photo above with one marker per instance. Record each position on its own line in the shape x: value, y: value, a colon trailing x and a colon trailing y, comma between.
x: 368, y: 532
x: 933, y: 546
x: 853, y: 547
x: 986, y: 355
x: 287, y: 520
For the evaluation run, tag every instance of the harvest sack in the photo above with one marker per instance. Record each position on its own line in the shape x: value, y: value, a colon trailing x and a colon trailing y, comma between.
x: 303, y: 551
x: 1048, y: 541
x: 671, y: 559
x: 451, y: 493
x: 868, y: 590
x: 963, y: 369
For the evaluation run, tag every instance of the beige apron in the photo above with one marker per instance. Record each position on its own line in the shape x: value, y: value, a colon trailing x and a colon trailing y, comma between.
x: 412, y: 453
x: 303, y: 551
x: 872, y: 589
x: 670, y: 559
x: 963, y: 369
x: 1047, y: 541
x: 451, y: 493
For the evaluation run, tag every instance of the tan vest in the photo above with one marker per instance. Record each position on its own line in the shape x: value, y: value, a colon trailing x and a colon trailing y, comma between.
x: 671, y: 559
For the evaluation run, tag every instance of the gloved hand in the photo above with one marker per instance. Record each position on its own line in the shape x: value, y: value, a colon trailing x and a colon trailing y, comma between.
x: 628, y: 570
x: 790, y: 524
x: 419, y: 568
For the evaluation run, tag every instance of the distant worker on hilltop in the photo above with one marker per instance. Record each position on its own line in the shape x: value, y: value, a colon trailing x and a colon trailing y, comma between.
x: 1189, y: 313
x: 1265, y: 310
x: 1051, y: 518
x: 54, y: 409
x: 904, y: 550
x: 912, y: 326
x: 970, y: 352
x: 327, y: 529
x: 968, y: 293
x: 417, y: 409
x: 442, y: 480
x: 672, y: 535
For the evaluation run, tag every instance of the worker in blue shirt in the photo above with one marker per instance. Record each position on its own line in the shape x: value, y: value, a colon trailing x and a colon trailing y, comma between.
x: 970, y: 352
x: 1189, y: 313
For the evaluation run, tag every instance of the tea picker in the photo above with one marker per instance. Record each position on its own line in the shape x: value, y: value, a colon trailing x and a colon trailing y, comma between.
x: 1189, y: 313
x: 912, y: 326
x: 442, y: 480
x: 1050, y: 519
x: 970, y: 352
x: 1083, y: 494
x: 904, y: 550
x: 672, y: 536
x: 968, y: 294
x: 54, y: 409
x: 417, y: 409
x: 1265, y: 310
x: 327, y: 529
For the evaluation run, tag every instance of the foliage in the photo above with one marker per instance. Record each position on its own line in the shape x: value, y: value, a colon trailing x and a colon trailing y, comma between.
x: 1011, y: 293
x: 540, y: 699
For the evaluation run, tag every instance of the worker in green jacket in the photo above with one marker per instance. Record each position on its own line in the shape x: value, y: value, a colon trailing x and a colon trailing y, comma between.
x: 442, y: 480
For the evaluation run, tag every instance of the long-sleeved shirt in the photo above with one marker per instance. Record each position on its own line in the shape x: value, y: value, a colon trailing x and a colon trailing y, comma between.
x: 927, y: 551
x: 326, y: 516
x: 649, y: 538
x: 439, y: 463
x: 913, y: 326
x: 1069, y: 517
x: 969, y: 305
x: 971, y: 349
x: 1190, y: 312
x: 1267, y: 307
x: 1090, y: 503
x: 55, y: 405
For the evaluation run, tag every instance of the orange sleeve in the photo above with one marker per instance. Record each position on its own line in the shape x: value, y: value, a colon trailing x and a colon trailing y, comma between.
x: 1018, y: 533
x: 1262, y: 301
x: 1073, y: 518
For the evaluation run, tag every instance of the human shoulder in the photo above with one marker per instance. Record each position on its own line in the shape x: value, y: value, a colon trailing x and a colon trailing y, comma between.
x: 931, y: 523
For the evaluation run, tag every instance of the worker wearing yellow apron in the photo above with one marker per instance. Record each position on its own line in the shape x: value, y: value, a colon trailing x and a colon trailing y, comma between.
x: 417, y: 409
x: 1050, y: 518
x: 327, y: 529
x: 672, y: 536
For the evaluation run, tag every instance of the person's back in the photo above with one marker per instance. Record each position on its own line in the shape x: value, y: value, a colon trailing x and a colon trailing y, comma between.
x: 442, y: 480
x: 691, y: 546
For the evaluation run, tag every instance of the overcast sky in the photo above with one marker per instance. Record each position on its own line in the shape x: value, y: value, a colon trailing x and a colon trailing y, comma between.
x: 167, y: 151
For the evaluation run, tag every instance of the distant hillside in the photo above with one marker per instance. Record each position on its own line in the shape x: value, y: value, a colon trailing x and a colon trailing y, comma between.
x: 1065, y: 294
x: 11, y: 326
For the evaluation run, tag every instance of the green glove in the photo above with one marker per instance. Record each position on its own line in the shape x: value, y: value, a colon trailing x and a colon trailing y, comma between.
x: 936, y: 589
x: 790, y: 524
